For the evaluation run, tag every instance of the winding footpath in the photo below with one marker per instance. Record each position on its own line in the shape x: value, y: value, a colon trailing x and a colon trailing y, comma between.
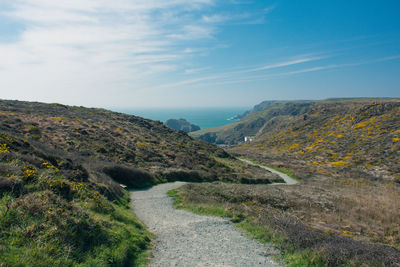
x: 288, y: 180
x: 187, y: 239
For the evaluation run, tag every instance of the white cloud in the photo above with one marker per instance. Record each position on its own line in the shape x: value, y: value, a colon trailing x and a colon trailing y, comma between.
x: 284, y: 64
x: 193, y: 32
x: 70, y: 48
x: 275, y: 70
x: 196, y: 70
x: 215, y: 18
x: 233, y: 75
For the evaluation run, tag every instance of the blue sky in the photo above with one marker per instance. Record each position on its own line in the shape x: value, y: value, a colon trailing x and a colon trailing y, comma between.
x: 180, y: 53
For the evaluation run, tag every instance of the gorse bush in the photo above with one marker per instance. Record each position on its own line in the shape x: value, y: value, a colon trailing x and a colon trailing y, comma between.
x: 129, y: 176
x: 56, y: 221
x: 52, y: 231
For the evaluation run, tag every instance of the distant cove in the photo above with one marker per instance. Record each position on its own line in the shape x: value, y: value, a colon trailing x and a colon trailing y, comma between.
x: 203, y: 117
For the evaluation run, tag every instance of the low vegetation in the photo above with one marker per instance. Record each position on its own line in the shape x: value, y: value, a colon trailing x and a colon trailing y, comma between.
x: 63, y: 171
x: 102, y: 138
x: 352, y: 139
x: 346, y: 210
x: 301, y: 223
x: 54, y: 213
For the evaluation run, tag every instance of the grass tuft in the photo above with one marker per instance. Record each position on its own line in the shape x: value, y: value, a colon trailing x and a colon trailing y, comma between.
x: 269, y: 219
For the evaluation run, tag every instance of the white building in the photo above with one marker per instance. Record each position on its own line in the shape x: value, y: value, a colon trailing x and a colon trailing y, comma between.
x: 248, y: 139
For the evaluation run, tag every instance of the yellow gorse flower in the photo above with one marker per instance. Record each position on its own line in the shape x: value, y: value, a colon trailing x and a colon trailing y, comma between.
x: 4, y: 148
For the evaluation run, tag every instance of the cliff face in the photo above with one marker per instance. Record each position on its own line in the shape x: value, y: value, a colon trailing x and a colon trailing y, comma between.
x: 182, y: 125
x: 251, y: 125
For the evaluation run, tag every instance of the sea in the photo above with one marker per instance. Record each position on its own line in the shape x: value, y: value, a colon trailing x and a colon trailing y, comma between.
x: 202, y: 117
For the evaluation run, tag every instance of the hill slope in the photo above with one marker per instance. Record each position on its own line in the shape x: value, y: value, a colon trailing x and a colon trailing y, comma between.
x: 345, y: 211
x: 358, y: 139
x: 250, y: 125
x: 61, y: 167
x: 103, y: 136
x: 267, y: 114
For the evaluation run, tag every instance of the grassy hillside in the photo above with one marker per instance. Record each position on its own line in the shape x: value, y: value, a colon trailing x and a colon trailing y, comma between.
x: 346, y: 209
x: 55, y: 212
x: 267, y: 115
x: 357, y: 140
x: 61, y: 203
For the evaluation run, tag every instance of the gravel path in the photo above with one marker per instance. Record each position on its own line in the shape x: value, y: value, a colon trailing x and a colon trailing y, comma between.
x: 186, y: 239
x: 287, y: 178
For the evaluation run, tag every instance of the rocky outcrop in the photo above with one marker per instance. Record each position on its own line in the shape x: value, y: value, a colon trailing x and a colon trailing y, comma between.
x: 181, y: 125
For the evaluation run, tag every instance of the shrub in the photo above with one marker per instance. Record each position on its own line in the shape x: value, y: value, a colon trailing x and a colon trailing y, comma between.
x: 29, y: 173
x: 10, y: 185
x: 129, y: 176
x: 172, y: 175
x: 335, y: 250
x: 245, y: 180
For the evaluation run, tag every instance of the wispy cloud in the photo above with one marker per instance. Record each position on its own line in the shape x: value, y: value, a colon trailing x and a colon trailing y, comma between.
x: 394, y: 57
x: 196, y: 70
x: 67, y: 50
x: 339, y: 66
x: 233, y: 74
x: 113, y: 30
x: 284, y: 64
x: 231, y: 77
x: 238, y: 17
x: 78, y: 44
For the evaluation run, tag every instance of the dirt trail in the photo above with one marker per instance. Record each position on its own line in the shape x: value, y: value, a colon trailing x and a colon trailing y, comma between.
x: 186, y: 239
x: 287, y: 178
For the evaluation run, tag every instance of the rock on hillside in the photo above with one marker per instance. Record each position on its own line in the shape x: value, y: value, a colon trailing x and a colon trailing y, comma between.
x: 182, y: 125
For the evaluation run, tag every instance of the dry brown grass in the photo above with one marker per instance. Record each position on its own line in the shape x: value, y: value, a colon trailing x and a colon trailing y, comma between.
x: 347, y: 155
x: 367, y: 212
x: 347, y: 222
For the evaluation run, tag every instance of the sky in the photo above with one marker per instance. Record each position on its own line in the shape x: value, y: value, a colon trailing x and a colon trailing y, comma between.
x: 201, y: 53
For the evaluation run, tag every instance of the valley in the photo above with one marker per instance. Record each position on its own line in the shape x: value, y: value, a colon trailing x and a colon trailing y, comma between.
x: 65, y: 172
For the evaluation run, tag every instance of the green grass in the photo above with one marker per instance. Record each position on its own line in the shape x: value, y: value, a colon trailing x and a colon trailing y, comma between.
x: 197, y: 208
x: 130, y: 240
x: 304, y: 258
x: 286, y: 171
x: 261, y: 233
x: 42, y: 229
x: 204, y: 209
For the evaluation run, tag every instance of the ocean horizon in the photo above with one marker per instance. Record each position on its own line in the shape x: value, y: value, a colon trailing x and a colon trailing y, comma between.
x: 203, y: 117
